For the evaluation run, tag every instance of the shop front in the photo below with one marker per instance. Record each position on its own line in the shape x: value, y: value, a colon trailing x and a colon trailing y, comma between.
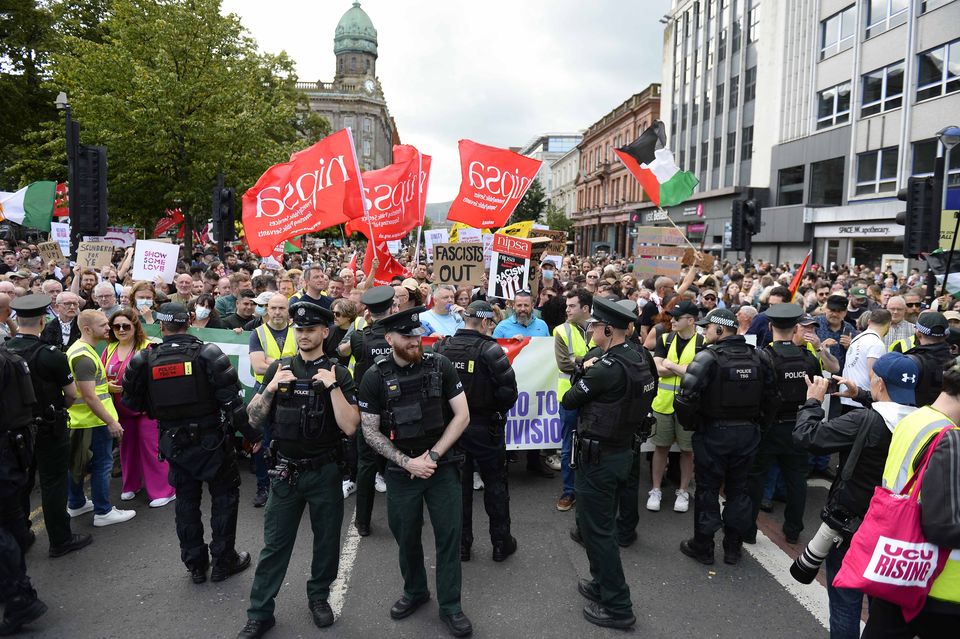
x: 865, y: 234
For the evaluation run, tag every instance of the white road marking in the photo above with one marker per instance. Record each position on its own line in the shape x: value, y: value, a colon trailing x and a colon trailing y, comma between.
x: 812, y: 596
x: 348, y: 557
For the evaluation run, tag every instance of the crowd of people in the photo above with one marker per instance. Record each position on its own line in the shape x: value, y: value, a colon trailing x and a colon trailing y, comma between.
x: 887, y: 345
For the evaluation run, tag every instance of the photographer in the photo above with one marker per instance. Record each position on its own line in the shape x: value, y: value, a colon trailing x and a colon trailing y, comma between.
x: 862, y: 438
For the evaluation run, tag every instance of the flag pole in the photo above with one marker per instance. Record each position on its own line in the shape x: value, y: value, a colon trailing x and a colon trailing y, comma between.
x: 682, y: 234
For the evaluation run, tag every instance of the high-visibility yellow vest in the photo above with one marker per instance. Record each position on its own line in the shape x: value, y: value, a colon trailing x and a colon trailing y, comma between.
x: 667, y: 387
x: 903, y: 345
x: 272, y: 350
x: 576, y: 346
x: 80, y: 414
x: 909, y: 437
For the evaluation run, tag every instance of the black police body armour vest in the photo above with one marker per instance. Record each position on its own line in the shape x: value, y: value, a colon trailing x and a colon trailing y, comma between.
x: 464, y: 353
x: 177, y: 382
x: 17, y: 399
x: 47, y: 392
x: 616, y: 422
x: 736, y: 390
x: 413, y: 406
x: 789, y: 365
x: 374, y: 345
x: 931, y: 374
x: 302, y: 409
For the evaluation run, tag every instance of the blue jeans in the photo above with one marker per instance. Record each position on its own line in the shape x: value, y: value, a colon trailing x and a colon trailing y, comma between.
x: 101, y: 444
x: 568, y: 424
x: 846, y: 604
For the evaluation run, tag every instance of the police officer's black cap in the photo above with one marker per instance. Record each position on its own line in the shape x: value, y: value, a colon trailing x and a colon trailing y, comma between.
x: 31, y: 305
x: 378, y: 299
x: 405, y: 322
x: 307, y: 314
x: 611, y: 313
x: 686, y: 307
x: 784, y: 315
x: 480, y: 310
x: 837, y: 302
x: 173, y: 313
x: 720, y: 317
x: 933, y: 323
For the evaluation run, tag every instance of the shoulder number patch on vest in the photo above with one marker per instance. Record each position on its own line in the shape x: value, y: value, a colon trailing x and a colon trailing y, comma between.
x: 172, y: 370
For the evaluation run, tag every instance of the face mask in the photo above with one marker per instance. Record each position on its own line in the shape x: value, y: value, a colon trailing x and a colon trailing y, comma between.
x: 260, y: 310
x: 141, y: 304
x: 547, y: 274
x: 203, y: 312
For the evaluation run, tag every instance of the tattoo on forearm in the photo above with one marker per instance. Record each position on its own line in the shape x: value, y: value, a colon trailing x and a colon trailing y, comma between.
x: 259, y: 408
x: 378, y: 442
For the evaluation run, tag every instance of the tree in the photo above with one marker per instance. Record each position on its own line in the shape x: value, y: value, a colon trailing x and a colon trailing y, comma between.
x: 531, y: 206
x: 177, y: 92
x: 557, y: 219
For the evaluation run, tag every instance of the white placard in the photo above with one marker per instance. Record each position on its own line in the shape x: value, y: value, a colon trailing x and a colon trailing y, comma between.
x: 435, y: 236
x: 556, y: 259
x: 155, y: 258
x: 487, y: 250
x: 394, y: 246
x: 60, y: 233
x: 469, y: 235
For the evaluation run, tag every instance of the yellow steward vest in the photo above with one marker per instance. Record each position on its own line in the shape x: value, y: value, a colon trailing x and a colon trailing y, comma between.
x: 80, y: 414
x: 903, y: 345
x: 272, y: 350
x: 667, y: 387
x: 576, y: 346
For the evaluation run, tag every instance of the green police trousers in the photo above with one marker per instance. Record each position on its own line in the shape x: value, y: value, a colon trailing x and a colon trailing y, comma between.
x: 598, y: 489
x: 405, y: 498
x: 322, y: 491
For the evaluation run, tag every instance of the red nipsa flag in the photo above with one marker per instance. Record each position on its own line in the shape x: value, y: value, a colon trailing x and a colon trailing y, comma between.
x: 388, y: 267
x: 393, y: 203
x: 492, y: 183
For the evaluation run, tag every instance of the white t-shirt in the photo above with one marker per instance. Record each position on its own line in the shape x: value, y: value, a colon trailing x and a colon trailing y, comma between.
x: 864, y: 346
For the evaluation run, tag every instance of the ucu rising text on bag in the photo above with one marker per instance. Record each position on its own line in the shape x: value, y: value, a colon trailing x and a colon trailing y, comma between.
x: 902, y: 563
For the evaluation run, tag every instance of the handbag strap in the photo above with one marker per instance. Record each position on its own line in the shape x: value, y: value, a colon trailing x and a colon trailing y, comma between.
x: 917, y: 478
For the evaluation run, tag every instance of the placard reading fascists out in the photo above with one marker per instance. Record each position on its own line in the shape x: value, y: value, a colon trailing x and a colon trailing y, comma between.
x: 458, y: 263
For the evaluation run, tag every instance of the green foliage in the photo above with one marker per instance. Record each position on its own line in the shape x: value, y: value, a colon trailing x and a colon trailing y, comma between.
x: 557, y: 220
x: 532, y: 205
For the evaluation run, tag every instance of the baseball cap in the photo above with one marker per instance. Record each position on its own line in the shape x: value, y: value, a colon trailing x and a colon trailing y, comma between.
x: 806, y: 320
x: 173, y: 313
x: 952, y: 316
x: 686, y: 307
x: 263, y: 298
x: 933, y: 324
x: 858, y: 292
x: 900, y: 376
x: 837, y: 302
x: 480, y: 310
x: 720, y: 317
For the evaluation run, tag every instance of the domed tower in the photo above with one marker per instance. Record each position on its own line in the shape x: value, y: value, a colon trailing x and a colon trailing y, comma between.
x: 355, y: 44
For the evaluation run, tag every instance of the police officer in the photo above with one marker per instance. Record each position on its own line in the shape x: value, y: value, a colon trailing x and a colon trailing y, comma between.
x: 930, y: 353
x: 309, y: 402
x: 403, y: 400
x: 792, y: 366
x: 366, y: 346
x: 185, y: 385
x: 728, y: 390
x: 612, y: 399
x: 55, y: 390
x: 491, y: 388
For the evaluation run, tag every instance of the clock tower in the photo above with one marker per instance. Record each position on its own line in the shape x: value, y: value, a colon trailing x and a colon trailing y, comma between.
x: 355, y: 98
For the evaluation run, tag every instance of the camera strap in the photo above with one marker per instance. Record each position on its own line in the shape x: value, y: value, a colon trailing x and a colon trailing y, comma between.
x: 851, y: 464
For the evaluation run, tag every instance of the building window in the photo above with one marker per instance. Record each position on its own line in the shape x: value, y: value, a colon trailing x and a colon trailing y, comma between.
x: 367, y: 125
x: 882, y: 90
x: 750, y: 85
x: 925, y: 161
x: 734, y: 90
x: 826, y: 183
x: 692, y: 157
x: 716, y: 152
x: 737, y: 26
x: 746, y: 144
x: 366, y: 148
x: 683, y: 116
x: 930, y: 5
x: 722, y: 45
x: 790, y: 186
x: 837, y: 32
x: 885, y: 14
x: 731, y: 147
x: 706, y: 106
x: 704, y: 150
x: 753, y: 24
x: 877, y: 171
x: 939, y: 71
x: 718, y: 105
x: 833, y: 106
x: 695, y: 113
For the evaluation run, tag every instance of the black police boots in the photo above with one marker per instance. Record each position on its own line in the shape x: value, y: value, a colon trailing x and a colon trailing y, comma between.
x: 76, y: 542
x: 226, y: 567
x: 600, y: 616
x: 589, y: 589
x: 732, y: 550
x: 256, y: 628
x: 505, y: 548
x: 322, y: 613
x: 458, y: 624
x: 406, y: 606
x: 199, y: 573
x: 465, y: 552
x: 21, y: 610
x: 699, y: 549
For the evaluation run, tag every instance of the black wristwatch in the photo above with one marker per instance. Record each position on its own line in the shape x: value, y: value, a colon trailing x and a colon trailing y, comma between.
x: 333, y: 385
x: 434, y: 457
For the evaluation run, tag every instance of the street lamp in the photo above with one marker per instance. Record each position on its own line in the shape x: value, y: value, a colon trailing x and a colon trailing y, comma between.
x: 949, y: 137
x: 73, y: 140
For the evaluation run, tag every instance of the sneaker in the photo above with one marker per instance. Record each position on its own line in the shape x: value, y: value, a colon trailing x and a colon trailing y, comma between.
x: 566, y: 502
x: 553, y: 461
x: 127, y: 496
x: 160, y: 502
x: 653, y: 501
x: 379, y: 484
x: 260, y: 499
x: 477, y: 482
x: 115, y: 516
x: 82, y: 510
x: 349, y: 487
x: 682, y: 504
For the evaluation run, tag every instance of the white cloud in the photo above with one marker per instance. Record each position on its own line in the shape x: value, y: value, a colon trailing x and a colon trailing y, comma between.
x: 495, y: 71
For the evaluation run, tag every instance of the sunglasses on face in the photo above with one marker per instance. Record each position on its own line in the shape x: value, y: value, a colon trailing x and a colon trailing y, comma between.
x: 338, y: 314
x: 913, y: 304
x: 122, y: 327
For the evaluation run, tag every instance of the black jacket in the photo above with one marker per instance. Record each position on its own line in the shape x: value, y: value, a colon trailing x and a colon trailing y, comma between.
x: 51, y: 334
x: 930, y: 359
x: 497, y: 367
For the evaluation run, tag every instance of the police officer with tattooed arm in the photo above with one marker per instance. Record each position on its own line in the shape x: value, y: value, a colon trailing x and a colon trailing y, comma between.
x: 727, y: 393
x: 309, y: 401
x: 405, y: 399
x: 193, y: 392
x: 613, y: 399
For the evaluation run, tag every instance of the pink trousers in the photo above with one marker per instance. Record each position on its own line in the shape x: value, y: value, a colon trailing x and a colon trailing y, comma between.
x: 138, y: 457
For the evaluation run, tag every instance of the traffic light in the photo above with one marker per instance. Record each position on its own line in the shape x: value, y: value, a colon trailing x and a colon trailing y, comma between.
x: 751, y: 216
x: 921, y: 219
x: 90, y: 191
x: 223, y: 214
x: 738, y: 235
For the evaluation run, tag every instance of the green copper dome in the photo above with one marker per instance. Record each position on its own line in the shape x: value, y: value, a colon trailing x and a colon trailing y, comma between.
x: 355, y: 33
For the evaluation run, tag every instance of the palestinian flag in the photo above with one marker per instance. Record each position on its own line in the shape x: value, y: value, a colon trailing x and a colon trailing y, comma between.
x: 937, y: 262
x: 798, y: 277
x: 293, y: 245
x: 652, y: 164
x: 31, y: 206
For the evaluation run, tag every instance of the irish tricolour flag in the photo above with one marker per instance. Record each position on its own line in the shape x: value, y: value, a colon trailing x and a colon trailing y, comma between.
x: 652, y: 164
x: 30, y: 206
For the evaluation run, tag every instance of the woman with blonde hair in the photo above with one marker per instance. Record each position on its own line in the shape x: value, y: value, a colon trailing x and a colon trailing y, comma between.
x: 141, y: 439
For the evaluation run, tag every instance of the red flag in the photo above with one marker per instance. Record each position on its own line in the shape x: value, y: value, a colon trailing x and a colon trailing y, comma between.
x: 170, y: 220
x: 795, y: 282
x: 404, y: 152
x: 492, y: 183
x: 318, y: 188
x: 393, y: 201
x: 353, y: 263
x: 388, y: 269
x: 61, y: 202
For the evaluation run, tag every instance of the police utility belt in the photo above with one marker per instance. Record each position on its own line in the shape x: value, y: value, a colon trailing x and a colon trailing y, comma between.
x: 586, y: 450
x: 452, y: 457
x: 289, y: 470
x: 195, y: 429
